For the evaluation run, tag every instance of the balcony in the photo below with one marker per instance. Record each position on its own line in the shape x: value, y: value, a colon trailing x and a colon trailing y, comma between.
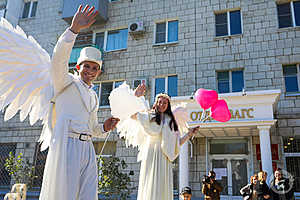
x: 71, y: 6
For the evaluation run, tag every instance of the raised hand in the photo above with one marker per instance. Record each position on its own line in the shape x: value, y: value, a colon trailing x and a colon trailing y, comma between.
x: 191, y: 133
x: 83, y: 18
x: 140, y: 90
x: 110, y: 123
x: 194, y: 130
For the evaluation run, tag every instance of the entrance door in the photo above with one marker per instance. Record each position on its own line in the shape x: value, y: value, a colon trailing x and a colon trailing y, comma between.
x: 232, y: 174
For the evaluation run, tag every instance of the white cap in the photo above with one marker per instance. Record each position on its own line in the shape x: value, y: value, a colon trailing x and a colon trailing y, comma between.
x: 91, y: 54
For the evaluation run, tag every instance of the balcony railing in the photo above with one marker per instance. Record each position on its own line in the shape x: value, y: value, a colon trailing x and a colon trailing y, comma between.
x: 71, y: 6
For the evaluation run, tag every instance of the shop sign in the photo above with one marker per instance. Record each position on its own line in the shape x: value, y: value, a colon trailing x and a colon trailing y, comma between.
x: 240, y: 113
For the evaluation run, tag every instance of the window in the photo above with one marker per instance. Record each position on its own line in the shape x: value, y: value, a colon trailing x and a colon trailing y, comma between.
x: 100, y: 40
x: 229, y: 146
x: 5, y: 148
x: 230, y: 81
x: 117, y: 40
x: 291, y: 147
x: 75, y: 53
x: 103, y: 90
x: 29, y: 9
x: 293, y: 167
x: 288, y: 14
x: 166, y: 32
x: 228, y: 23
x: 291, y: 78
x: 112, y: 40
x: 166, y: 85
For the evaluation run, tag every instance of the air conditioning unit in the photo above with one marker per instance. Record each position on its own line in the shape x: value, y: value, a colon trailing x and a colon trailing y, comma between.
x: 136, y: 27
x: 137, y: 82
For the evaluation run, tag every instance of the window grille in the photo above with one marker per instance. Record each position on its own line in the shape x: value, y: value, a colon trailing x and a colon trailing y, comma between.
x: 5, y: 148
x: 39, y: 163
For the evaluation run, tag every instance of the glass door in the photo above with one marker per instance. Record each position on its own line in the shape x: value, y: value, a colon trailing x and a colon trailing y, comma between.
x: 221, y: 170
x: 232, y: 174
x: 239, y: 177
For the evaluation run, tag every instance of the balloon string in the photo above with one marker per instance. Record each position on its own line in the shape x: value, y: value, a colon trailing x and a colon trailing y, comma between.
x: 203, y: 119
x: 104, y: 143
x: 203, y: 114
x: 206, y: 118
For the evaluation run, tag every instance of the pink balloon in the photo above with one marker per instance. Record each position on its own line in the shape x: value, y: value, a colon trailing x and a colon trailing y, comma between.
x: 206, y: 98
x: 220, y: 111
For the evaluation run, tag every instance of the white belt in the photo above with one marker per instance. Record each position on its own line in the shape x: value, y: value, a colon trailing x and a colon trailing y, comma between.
x: 80, y: 136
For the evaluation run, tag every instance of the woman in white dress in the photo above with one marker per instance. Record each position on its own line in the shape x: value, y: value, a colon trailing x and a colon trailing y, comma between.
x: 161, y: 147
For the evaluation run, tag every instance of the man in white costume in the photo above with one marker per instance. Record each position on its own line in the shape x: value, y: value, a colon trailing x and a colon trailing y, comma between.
x: 71, y: 169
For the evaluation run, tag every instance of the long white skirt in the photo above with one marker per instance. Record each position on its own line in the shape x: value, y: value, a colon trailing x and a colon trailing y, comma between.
x: 156, y: 176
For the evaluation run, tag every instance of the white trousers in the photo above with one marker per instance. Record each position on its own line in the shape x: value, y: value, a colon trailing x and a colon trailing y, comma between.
x: 81, y: 170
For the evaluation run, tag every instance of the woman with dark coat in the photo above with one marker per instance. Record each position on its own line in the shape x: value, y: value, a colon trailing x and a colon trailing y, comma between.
x: 262, y: 189
x: 281, y: 188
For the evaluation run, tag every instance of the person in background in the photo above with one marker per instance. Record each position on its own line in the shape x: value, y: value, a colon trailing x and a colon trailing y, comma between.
x: 280, y: 187
x: 262, y: 189
x: 186, y: 193
x: 248, y: 192
x: 211, y: 188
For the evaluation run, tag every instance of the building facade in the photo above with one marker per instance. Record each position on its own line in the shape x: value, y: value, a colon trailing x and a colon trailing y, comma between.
x: 246, y: 50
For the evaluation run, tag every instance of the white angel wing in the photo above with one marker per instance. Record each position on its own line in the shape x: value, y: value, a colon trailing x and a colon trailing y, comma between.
x: 181, y: 116
x: 123, y: 105
x: 25, y: 83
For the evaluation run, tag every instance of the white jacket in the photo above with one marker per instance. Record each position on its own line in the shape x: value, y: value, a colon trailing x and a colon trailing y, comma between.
x: 76, y: 111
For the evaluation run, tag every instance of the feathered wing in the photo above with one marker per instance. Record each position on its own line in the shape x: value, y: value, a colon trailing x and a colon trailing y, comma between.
x: 25, y: 83
x: 123, y: 105
x: 181, y: 116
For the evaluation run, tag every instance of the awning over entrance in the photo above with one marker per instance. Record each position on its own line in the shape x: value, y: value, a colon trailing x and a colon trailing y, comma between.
x: 228, y: 132
x: 248, y: 110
